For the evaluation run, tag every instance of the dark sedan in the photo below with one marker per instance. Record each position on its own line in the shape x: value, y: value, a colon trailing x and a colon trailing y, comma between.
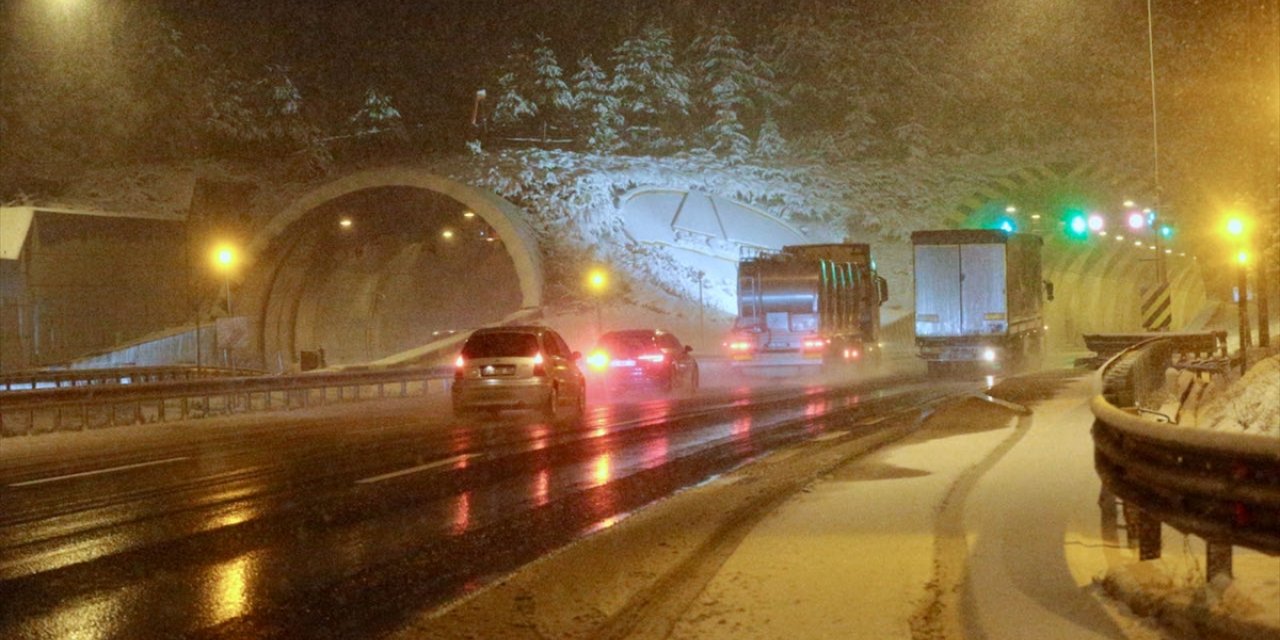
x: 643, y: 358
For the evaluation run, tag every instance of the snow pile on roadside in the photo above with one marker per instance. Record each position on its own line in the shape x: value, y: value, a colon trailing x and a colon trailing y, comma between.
x: 1176, y: 593
x: 1250, y: 405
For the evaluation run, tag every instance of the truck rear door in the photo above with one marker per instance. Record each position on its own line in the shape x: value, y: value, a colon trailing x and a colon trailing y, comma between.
x: 982, y: 291
x: 938, y: 290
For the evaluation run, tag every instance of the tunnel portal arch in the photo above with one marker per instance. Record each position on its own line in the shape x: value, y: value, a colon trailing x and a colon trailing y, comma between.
x: 271, y: 289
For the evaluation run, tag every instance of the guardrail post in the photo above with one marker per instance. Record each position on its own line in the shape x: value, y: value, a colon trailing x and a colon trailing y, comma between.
x: 1149, y: 540
x: 1131, y: 518
x: 1217, y: 559
x: 1110, y: 509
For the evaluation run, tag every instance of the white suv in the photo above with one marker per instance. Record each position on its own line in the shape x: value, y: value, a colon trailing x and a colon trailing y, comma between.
x: 528, y: 368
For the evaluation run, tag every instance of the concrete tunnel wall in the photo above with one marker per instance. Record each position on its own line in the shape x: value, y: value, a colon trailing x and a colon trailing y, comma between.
x: 275, y: 290
x: 1099, y: 290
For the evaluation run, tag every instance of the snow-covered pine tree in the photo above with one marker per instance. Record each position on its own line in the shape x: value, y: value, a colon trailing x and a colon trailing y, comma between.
x: 515, y: 85
x: 725, y: 134
x: 769, y: 142
x: 378, y: 116
x: 595, y: 109
x: 652, y: 92
x: 550, y: 94
x: 285, y: 124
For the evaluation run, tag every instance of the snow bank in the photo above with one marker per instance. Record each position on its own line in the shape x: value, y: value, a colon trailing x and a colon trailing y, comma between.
x: 1250, y: 405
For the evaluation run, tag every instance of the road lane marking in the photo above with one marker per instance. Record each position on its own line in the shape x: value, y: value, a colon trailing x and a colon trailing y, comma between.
x: 96, y: 472
x: 417, y: 469
x: 830, y: 436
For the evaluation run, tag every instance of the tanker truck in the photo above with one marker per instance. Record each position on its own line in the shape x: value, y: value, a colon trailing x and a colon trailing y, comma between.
x: 978, y: 298
x: 807, y: 305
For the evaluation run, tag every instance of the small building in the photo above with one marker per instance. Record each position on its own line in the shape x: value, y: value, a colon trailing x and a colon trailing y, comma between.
x: 74, y: 282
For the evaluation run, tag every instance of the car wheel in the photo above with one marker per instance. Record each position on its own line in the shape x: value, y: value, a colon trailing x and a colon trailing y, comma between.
x: 551, y: 411
x: 582, y: 406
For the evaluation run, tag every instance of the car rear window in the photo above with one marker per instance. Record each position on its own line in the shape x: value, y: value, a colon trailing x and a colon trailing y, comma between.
x: 628, y: 343
x: 501, y: 345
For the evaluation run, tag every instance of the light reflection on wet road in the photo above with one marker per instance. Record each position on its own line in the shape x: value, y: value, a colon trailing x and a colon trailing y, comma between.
x: 340, y: 527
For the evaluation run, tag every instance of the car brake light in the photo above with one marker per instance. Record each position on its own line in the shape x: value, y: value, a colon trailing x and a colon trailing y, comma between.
x: 459, y: 368
x: 651, y: 357
x: 538, y: 369
x: 598, y: 360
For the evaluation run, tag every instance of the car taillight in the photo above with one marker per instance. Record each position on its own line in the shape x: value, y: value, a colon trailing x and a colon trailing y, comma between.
x: 459, y: 368
x: 738, y: 345
x: 651, y: 357
x: 810, y: 344
x: 851, y: 354
x: 598, y: 360
x: 538, y: 368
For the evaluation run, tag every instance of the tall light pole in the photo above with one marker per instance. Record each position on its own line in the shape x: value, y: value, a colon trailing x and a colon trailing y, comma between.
x: 597, y: 281
x: 225, y: 259
x: 1236, y: 230
x: 1246, y: 337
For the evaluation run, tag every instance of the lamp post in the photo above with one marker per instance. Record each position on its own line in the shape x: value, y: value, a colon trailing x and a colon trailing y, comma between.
x: 225, y: 259
x: 1246, y: 339
x: 597, y: 280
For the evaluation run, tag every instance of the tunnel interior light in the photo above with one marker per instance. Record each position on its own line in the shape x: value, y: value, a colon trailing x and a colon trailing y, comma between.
x: 1035, y: 216
x: 345, y: 222
x: 447, y: 234
x: 1128, y: 204
x: 1010, y: 209
x: 468, y: 214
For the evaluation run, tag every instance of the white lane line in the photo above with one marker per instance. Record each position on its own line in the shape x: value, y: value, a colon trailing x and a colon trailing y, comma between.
x: 417, y: 469
x: 830, y: 436
x: 84, y: 474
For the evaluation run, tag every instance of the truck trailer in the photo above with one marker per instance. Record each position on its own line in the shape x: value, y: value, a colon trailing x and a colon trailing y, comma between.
x: 808, y: 305
x: 978, y: 297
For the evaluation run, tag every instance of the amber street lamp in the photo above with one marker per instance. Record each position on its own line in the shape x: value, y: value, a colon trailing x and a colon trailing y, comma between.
x: 224, y: 258
x: 597, y: 281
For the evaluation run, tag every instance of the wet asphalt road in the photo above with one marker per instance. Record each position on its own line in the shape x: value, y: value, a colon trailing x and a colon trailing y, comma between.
x: 342, y: 527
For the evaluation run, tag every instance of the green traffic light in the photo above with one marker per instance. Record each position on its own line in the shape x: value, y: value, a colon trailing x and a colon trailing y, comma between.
x: 1166, y: 231
x: 1078, y: 225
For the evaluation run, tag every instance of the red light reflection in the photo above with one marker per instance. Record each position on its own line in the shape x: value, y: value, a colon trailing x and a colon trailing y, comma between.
x: 542, y: 487
x: 602, y: 470
x: 461, y: 514
x: 656, y: 452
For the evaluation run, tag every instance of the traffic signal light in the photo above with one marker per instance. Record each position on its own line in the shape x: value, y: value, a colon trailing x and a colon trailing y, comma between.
x: 1077, y: 225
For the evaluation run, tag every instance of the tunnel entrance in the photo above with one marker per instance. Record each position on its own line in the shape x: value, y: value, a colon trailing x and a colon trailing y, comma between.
x: 382, y: 270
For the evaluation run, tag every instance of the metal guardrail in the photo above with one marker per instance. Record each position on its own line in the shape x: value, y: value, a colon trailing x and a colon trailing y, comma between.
x: 1201, y: 346
x: 96, y: 406
x: 45, y: 378
x: 1222, y: 487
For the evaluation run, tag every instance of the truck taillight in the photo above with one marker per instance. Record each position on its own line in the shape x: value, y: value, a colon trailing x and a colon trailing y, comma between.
x: 459, y: 367
x: 538, y: 368
x: 813, y: 344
